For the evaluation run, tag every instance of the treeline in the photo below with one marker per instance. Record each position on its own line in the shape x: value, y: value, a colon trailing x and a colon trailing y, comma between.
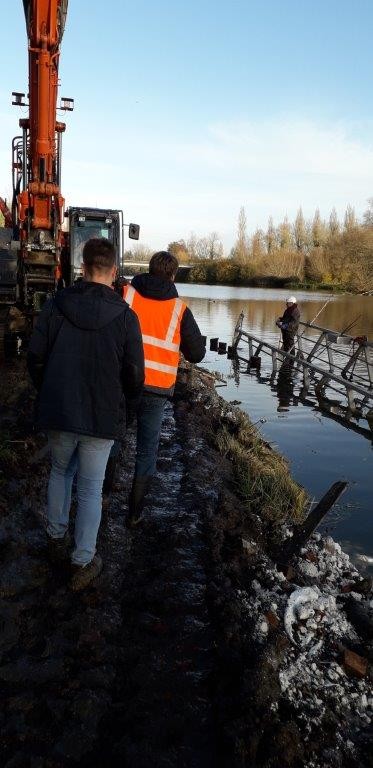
x: 329, y: 254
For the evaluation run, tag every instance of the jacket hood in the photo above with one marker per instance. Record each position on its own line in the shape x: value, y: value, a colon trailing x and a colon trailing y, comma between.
x: 89, y: 305
x: 153, y: 287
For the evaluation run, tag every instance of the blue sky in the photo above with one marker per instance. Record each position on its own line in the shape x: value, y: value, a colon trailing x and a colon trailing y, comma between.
x: 185, y: 111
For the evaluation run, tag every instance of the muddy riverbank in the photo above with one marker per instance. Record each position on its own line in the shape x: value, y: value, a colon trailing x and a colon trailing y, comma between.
x: 192, y: 648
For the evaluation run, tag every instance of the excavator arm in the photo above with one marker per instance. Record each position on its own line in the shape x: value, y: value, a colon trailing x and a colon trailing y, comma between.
x: 38, y: 204
x: 42, y: 194
x: 37, y: 255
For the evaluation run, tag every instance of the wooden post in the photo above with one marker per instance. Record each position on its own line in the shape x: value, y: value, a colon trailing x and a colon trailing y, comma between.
x: 274, y: 361
x: 369, y: 362
x: 306, y: 380
x: 303, y: 532
x: 330, y: 355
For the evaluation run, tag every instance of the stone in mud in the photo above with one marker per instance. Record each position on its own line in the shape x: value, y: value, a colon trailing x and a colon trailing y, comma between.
x: 272, y: 619
x: 354, y: 664
x: 289, y: 572
x: 250, y: 548
x: 311, y: 556
x: 309, y: 570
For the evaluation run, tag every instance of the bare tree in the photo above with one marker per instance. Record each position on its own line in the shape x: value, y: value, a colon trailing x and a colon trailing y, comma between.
x: 205, y: 248
x: 284, y: 235
x: 241, y: 247
x: 350, y: 221
x: 270, y: 238
x: 300, y: 231
x: 319, y: 231
x: 192, y: 246
x: 139, y: 253
x: 179, y: 249
x: 368, y: 214
x: 334, y: 226
x: 215, y: 246
x: 257, y: 245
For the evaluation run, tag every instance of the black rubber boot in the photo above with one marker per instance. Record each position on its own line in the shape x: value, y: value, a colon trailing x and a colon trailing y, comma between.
x: 136, y: 499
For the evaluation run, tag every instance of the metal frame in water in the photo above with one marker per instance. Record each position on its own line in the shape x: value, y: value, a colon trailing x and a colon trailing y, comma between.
x: 326, y: 359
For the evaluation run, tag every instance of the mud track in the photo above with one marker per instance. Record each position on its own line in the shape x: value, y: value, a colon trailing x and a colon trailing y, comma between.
x: 154, y: 665
x: 122, y: 674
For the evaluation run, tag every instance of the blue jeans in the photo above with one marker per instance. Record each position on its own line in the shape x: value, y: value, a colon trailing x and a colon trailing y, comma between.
x: 149, y: 422
x: 87, y: 456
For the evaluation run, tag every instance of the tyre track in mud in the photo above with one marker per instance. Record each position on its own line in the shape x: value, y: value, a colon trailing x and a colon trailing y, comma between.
x: 162, y: 707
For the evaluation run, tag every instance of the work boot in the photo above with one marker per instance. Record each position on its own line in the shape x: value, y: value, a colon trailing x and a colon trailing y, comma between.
x: 136, y: 500
x: 58, y: 549
x: 83, y: 574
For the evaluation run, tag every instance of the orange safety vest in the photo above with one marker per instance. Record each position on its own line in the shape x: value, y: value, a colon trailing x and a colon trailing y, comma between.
x: 160, y: 327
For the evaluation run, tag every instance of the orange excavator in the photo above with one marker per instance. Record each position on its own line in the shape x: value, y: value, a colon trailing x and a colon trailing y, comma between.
x: 41, y: 247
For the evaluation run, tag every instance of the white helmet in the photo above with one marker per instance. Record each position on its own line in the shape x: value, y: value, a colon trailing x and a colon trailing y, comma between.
x: 291, y: 300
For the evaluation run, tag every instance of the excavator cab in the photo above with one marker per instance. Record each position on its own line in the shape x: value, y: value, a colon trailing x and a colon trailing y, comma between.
x: 85, y: 223
x: 82, y: 225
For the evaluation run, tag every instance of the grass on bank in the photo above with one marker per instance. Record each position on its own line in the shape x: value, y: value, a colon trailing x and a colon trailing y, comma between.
x: 263, y: 478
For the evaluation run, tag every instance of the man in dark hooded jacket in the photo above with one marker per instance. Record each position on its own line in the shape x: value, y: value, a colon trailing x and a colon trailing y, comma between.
x: 168, y: 328
x: 85, y: 353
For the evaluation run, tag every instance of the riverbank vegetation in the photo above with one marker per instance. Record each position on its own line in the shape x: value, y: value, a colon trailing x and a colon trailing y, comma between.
x: 262, y: 475
x: 330, y: 255
x: 262, y: 479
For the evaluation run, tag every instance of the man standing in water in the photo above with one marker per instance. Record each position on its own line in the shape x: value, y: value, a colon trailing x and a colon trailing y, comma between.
x: 168, y: 327
x: 289, y: 323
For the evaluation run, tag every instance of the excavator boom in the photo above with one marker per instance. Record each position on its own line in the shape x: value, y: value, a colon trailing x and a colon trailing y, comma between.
x: 40, y: 203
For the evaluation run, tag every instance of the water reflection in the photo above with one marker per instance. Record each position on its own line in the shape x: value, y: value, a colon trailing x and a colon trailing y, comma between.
x: 283, y: 384
x: 319, y: 448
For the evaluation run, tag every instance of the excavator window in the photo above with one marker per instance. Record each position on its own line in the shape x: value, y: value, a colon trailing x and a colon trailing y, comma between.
x: 82, y: 232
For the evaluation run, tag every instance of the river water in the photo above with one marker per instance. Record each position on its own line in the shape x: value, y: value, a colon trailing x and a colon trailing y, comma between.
x: 320, y: 450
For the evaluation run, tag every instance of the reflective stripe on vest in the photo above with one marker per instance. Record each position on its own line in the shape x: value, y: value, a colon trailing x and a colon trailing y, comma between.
x: 162, y: 351
x: 174, y: 319
x: 160, y: 343
x: 160, y: 367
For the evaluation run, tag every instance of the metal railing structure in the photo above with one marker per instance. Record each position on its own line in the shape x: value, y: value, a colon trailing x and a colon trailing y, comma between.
x: 325, y: 361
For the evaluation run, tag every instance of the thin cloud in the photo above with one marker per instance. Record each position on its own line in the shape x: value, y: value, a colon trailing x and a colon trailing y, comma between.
x: 174, y: 186
x: 280, y: 146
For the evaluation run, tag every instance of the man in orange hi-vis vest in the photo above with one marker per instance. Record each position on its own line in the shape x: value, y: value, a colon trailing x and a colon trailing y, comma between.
x: 168, y: 328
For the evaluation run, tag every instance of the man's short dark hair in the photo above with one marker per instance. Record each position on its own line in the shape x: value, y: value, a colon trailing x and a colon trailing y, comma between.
x: 163, y: 264
x: 98, y: 255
